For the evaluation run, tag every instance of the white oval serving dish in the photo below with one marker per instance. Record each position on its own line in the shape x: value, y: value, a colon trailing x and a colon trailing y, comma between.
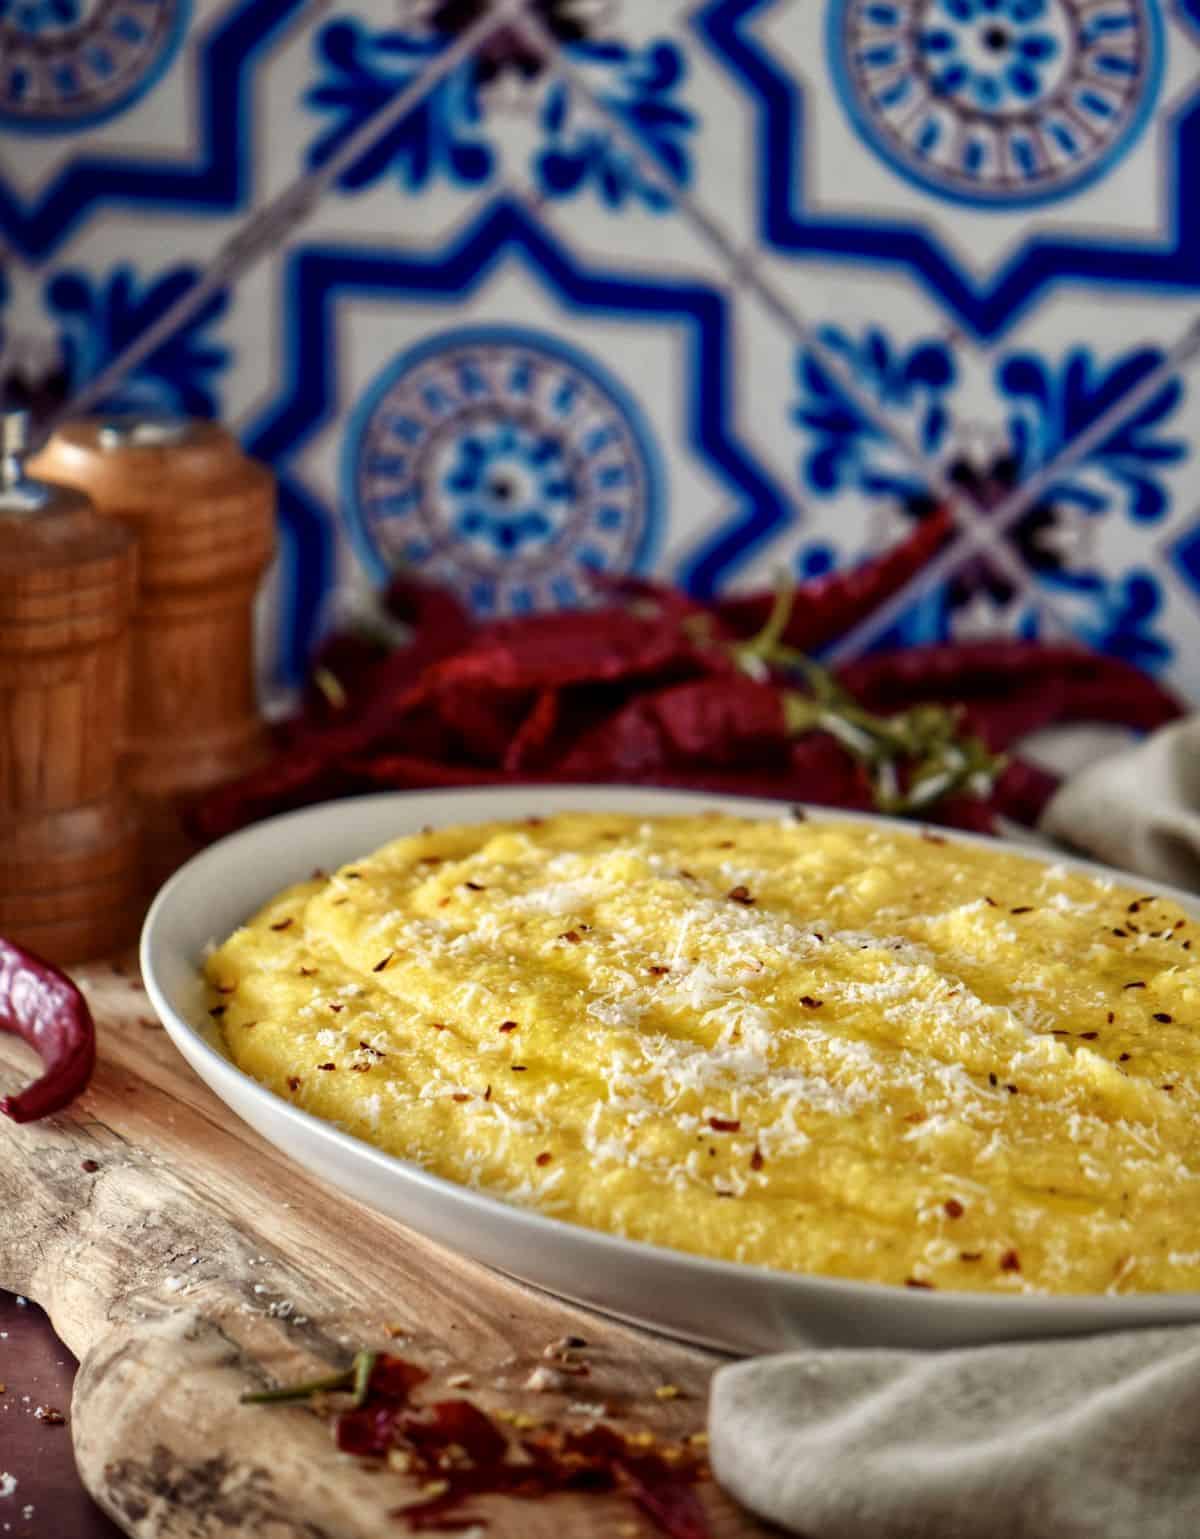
x: 722, y: 1304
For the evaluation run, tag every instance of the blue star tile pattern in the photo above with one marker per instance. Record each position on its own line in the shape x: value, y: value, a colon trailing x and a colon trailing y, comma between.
x: 699, y: 290
x: 953, y: 147
x: 214, y: 179
x: 444, y: 415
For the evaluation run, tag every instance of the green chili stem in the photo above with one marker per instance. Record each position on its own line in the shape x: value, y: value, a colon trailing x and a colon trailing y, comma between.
x: 356, y: 1379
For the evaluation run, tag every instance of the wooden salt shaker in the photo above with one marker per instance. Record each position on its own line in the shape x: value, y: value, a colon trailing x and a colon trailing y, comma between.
x: 204, y: 517
x: 69, y: 878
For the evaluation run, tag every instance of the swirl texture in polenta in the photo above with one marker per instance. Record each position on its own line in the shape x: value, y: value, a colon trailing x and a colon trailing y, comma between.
x: 823, y: 1046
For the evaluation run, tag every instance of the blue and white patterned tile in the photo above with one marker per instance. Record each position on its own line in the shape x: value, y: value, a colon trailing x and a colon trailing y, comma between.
x: 988, y: 147
x: 851, y: 414
x: 127, y: 104
x: 500, y: 414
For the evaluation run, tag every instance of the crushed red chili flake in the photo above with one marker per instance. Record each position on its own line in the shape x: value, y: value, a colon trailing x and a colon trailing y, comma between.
x: 1025, y: 908
x: 1111, y: 1016
x: 1136, y: 985
x: 457, y: 1453
x: 724, y: 1124
x: 362, y: 1068
x: 518, y: 1068
x: 756, y: 1159
x: 970, y: 1255
x: 460, y: 1096
x: 353, y: 876
x: 508, y: 1025
x: 810, y: 1003
x: 327, y: 1066
x: 1168, y: 1087
x: 572, y: 937
x: 1122, y: 933
x: 658, y: 969
x: 918, y: 1282
x: 992, y: 1080
x: 1124, y: 1058
x: 475, y: 886
x: 283, y: 924
x: 337, y: 1009
x: 218, y: 1010
x: 991, y: 902
x: 1012, y: 1089
x: 932, y: 838
x: 383, y: 962
x: 293, y: 1082
x: 1161, y: 1015
x: 544, y: 1158
x: 954, y: 1208
x: 740, y: 895
x: 91, y: 1166
x: 726, y: 844
x: 438, y: 1025
x: 48, y: 1414
x: 487, y: 1094
x: 1089, y: 1036
x: 308, y: 972
x: 1010, y: 1261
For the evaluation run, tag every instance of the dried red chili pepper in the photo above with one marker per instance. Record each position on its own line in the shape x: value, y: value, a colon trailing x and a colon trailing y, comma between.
x: 41, y: 1005
x: 827, y: 607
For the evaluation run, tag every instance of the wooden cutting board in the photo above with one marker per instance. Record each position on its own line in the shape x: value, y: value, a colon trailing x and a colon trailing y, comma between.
x: 195, y: 1263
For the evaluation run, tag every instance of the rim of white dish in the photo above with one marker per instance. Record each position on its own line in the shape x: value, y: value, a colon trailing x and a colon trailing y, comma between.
x: 485, y: 800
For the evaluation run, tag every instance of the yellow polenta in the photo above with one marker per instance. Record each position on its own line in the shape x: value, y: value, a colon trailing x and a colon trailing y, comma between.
x: 821, y: 1046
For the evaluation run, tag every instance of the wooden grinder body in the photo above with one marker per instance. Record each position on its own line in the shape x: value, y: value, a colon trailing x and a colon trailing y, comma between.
x: 203, y: 515
x: 69, y: 880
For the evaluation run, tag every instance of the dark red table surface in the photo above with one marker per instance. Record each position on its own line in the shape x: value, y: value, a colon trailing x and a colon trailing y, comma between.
x: 48, y: 1500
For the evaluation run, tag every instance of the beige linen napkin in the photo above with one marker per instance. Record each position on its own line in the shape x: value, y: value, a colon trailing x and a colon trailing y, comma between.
x: 1138, y: 809
x: 1093, y: 1438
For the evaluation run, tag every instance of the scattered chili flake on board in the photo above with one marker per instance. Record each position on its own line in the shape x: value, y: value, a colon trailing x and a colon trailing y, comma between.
x: 48, y: 1414
x: 284, y: 924
x: 91, y: 1166
x: 454, y: 1452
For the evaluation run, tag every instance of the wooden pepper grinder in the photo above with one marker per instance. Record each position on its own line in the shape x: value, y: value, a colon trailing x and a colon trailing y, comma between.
x: 204, y: 518
x: 69, y: 878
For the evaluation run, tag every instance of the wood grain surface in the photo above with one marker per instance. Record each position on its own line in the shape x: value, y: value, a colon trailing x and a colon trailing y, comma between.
x: 194, y: 1263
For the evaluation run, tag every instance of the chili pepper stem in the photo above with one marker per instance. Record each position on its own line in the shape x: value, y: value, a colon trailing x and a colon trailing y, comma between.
x: 356, y: 1379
